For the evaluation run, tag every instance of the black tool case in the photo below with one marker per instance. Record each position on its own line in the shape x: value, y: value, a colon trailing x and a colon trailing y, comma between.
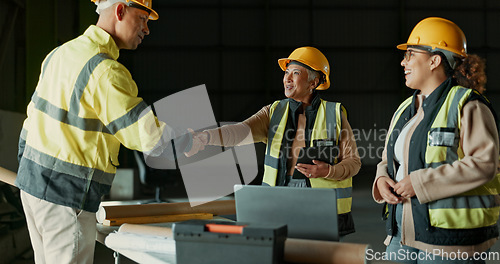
x: 218, y: 241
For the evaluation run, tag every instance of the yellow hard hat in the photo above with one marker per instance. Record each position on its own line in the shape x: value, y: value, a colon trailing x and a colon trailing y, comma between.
x: 146, y: 5
x: 313, y: 58
x: 438, y: 33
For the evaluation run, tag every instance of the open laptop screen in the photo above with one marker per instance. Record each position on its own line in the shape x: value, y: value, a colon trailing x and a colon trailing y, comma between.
x: 308, y: 213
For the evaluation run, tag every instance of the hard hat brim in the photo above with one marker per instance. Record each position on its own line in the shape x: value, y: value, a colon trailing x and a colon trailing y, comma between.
x: 153, y: 15
x: 404, y: 46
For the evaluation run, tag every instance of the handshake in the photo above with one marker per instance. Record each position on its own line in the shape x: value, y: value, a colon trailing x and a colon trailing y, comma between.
x: 208, y: 173
x: 199, y: 141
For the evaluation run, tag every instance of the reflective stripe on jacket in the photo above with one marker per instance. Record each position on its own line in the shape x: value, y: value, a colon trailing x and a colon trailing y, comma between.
x: 84, y: 107
x: 466, y: 219
x: 327, y: 125
x: 473, y: 209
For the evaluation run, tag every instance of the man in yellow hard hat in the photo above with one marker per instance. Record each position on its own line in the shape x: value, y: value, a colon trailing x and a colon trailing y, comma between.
x: 84, y: 107
x: 301, y: 120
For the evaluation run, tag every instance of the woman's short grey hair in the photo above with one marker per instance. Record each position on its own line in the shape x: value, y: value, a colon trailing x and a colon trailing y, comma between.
x: 311, y: 75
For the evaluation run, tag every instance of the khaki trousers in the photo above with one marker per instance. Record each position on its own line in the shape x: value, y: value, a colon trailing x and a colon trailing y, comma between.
x: 59, y: 234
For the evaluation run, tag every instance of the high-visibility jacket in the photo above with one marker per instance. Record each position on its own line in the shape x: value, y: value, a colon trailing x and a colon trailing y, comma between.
x: 466, y: 219
x: 85, y: 105
x: 323, y: 123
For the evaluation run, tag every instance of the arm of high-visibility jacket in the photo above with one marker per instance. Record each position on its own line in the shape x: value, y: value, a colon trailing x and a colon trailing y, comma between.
x: 479, y: 140
x: 127, y: 117
x: 23, y: 135
x: 21, y: 144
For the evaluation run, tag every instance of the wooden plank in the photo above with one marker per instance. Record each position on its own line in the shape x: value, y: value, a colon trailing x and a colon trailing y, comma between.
x: 224, y: 207
x: 155, y: 219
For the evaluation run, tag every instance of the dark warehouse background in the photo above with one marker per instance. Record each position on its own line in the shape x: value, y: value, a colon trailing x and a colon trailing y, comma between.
x: 232, y: 46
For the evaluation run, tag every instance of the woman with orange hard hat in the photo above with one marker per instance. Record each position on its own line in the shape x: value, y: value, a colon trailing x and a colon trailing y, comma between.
x: 437, y: 176
x: 301, y: 120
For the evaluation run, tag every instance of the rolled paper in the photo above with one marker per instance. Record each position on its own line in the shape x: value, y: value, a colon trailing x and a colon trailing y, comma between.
x: 147, y: 230
x: 296, y: 250
x: 317, y: 251
x: 7, y: 176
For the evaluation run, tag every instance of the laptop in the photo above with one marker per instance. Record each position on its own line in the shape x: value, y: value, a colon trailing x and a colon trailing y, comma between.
x: 308, y: 213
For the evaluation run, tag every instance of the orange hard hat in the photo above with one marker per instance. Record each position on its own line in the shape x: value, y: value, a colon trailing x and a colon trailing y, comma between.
x: 146, y: 5
x: 438, y: 33
x: 313, y: 58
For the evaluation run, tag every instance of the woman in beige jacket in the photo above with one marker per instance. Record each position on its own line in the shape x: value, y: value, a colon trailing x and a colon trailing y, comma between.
x: 438, y: 176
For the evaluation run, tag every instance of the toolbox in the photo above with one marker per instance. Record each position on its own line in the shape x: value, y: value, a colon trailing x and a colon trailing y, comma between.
x: 218, y: 241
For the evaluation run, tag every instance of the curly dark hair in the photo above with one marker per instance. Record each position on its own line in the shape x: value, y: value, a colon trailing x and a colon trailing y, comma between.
x: 471, y: 73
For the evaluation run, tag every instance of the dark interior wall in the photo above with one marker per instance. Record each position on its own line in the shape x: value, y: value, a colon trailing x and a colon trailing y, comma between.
x: 12, y: 54
x: 233, y: 47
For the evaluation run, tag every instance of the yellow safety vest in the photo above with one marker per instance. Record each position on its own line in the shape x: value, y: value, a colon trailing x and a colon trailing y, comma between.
x: 473, y: 209
x: 84, y: 107
x: 327, y: 125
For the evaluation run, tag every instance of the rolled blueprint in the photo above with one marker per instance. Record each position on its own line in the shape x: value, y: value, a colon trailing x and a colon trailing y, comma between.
x: 8, y: 176
x: 296, y: 250
x: 316, y: 251
x: 148, y: 230
x: 141, y: 238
